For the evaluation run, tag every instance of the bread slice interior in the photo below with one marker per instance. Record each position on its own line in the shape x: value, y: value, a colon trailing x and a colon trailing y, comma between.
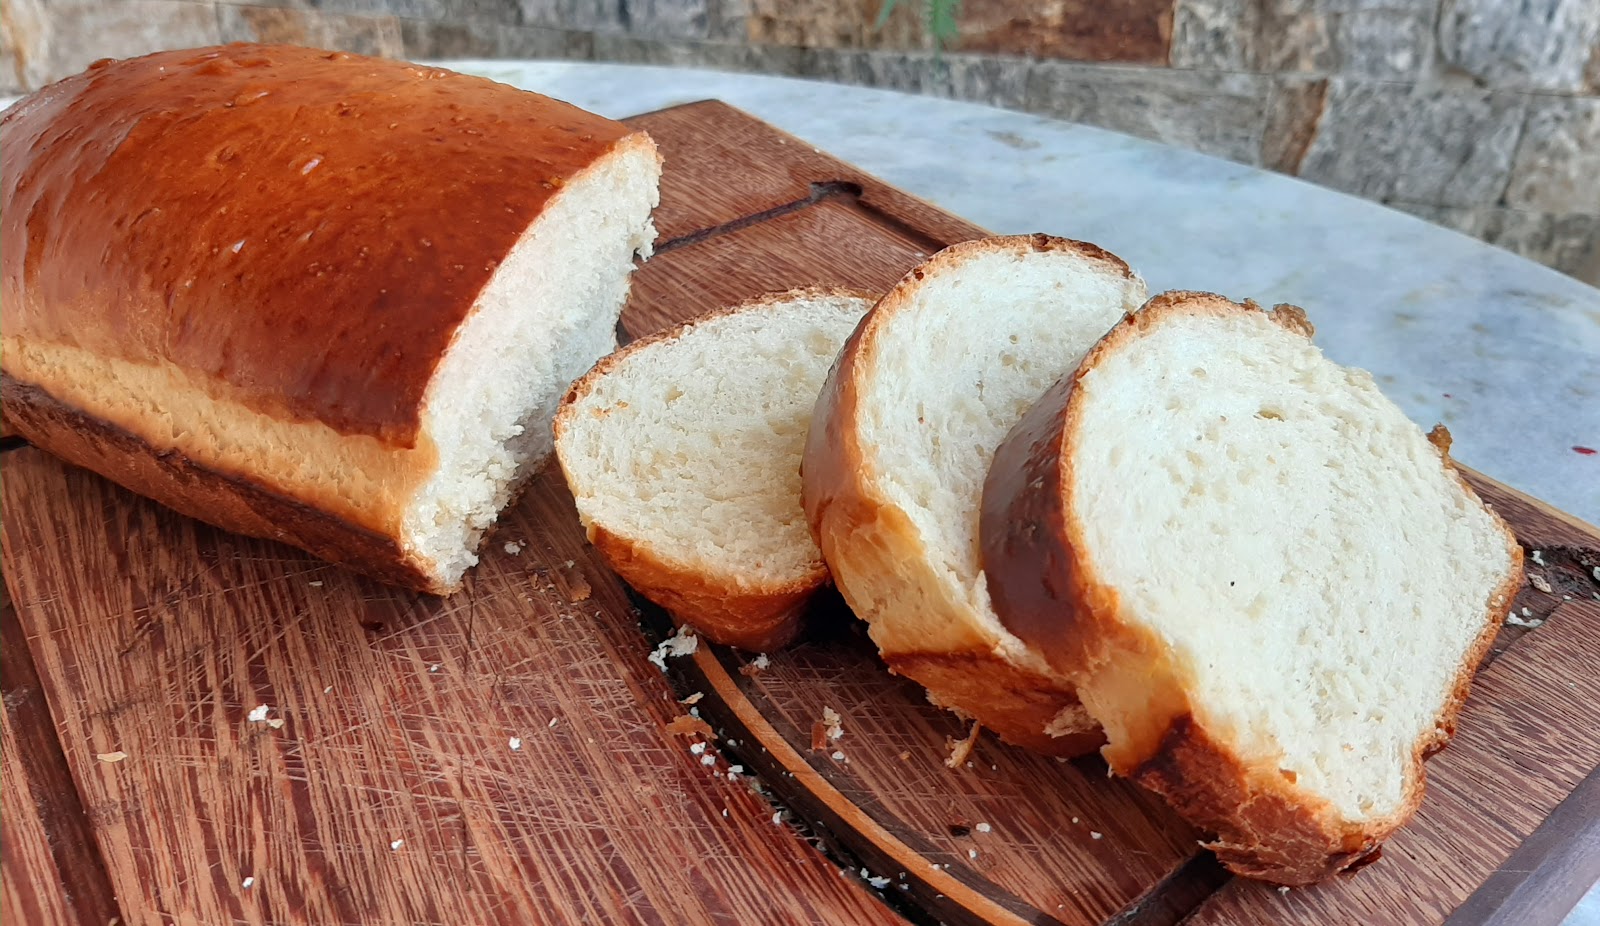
x: 1290, y: 585
x: 683, y: 455
x: 548, y: 313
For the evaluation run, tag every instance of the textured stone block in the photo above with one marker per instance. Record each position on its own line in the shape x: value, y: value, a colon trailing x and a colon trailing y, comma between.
x: 10, y: 64
x: 980, y: 79
x: 834, y: 24
x: 1382, y: 141
x: 1557, y: 165
x: 1132, y: 31
x: 576, y: 15
x: 684, y: 19
x: 1293, y: 113
x: 1535, y: 44
x: 1215, y: 34
x: 1289, y: 38
x: 441, y: 41
x: 715, y: 55
x: 1217, y: 113
x: 1569, y: 243
x: 727, y: 20
x: 62, y: 37
x: 1383, y: 44
x: 366, y: 35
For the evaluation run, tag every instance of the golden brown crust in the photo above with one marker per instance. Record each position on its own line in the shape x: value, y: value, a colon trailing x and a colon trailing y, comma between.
x: 877, y: 556
x: 760, y: 616
x: 1025, y: 704
x: 302, y: 231
x: 761, y: 620
x: 229, y: 502
x: 1046, y: 593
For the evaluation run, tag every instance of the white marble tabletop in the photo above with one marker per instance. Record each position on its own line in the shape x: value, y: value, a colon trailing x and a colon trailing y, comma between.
x: 1502, y: 350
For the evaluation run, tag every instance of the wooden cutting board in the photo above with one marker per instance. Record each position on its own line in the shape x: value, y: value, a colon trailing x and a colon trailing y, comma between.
x: 509, y: 755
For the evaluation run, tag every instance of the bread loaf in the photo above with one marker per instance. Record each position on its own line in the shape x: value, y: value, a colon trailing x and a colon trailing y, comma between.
x: 312, y: 296
x: 921, y: 395
x: 683, y: 454
x: 1269, y: 587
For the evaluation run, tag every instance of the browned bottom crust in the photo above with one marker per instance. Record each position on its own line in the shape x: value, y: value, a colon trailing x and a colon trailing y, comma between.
x: 758, y: 621
x: 226, y: 501
x: 1016, y: 704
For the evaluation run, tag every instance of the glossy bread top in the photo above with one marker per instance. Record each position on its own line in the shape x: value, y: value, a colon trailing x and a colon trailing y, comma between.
x: 299, y: 230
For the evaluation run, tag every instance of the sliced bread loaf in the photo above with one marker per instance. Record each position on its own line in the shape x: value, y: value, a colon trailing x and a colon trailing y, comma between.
x: 683, y: 454
x: 1270, y: 588
x: 311, y: 296
x: 920, y: 397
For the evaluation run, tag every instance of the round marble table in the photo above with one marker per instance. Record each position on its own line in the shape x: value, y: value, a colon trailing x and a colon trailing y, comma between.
x: 1502, y: 350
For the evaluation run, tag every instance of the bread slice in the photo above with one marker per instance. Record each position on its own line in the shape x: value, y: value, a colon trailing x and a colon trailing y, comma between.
x: 682, y: 451
x: 310, y: 296
x: 922, y: 394
x: 1270, y: 588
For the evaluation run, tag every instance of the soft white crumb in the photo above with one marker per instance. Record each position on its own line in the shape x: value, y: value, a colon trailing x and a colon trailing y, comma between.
x: 328, y: 690
x: 681, y: 643
x: 515, y: 743
x: 513, y: 547
x: 697, y: 748
x: 832, y: 723
x: 984, y: 827
x: 117, y: 756
x: 1096, y: 835
x: 1516, y: 621
x: 1283, y: 888
x: 434, y: 667
x: 872, y: 879
x: 552, y: 724
x: 735, y: 770
x: 316, y: 584
x: 1527, y: 612
x: 761, y: 661
x: 248, y: 882
x: 838, y: 756
x: 724, y: 811
x: 708, y: 760
x: 1538, y: 560
x: 1597, y: 573
x: 1074, y: 819
x: 276, y: 723
x: 777, y: 818
x: 1539, y: 582
x: 972, y: 853
x: 257, y: 713
x: 395, y: 846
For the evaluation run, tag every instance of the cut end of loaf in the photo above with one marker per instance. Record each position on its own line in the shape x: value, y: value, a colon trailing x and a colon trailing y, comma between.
x: 683, y: 454
x: 548, y: 313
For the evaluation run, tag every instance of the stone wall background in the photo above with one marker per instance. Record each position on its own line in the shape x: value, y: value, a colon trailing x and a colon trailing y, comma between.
x: 1481, y: 115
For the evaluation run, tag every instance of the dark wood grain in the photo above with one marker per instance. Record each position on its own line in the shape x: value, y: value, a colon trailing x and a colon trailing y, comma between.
x: 1549, y: 873
x: 50, y: 868
x: 390, y: 792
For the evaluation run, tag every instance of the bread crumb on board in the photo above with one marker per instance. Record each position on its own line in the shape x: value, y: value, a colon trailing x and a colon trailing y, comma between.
x: 826, y: 730
x: 1524, y: 621
x: 984, y: 828
x: 108, y: 757
x: 248, y: 882
x: 258, y: 713
x: 513, y: 547
x: 693, y: 699
x: 687, y: 725
x: 755, y: 666
x: 515, y: 743
x: 1540, y: 582
x: 682, y: 643
x: 1538, y: 558
x: 961, y: 750
x: 395, y: 846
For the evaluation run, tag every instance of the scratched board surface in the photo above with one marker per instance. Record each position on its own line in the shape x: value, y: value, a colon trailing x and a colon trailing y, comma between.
x: 510, y: 755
